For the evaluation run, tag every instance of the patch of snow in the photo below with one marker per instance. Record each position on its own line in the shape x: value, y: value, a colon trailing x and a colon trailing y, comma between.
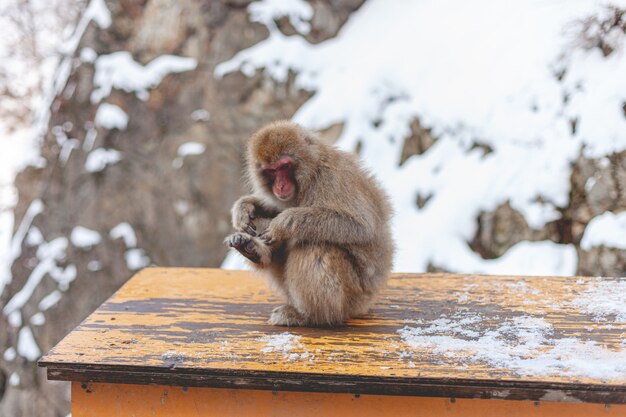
x: 14, y: 379
x: 90, y: 139
x: 528, y: 258
x: 15, y: 250
x: 27, y: 346
x: 282, y: 342
x: 96, y: 11
x: 50, y: 300
x: 9, y: 354
x: 200, y: 115
x: 522, y: 344
x: 84, y: 238
x: 110, y: 116
x: 88, y: 55
x: 94, y: 266
x: 38, y: 319
x: 119, y: 70
x: 410, y: 73
x: 191, y: 148
x: 607, y: 229
x: 14, y: 318
x: 64, y: 276
x: 181, y: 207
x: 173, y: 356
x: 34, y: 237
x: 266, y: 12
x: 136, y: 259
x: 99, y: 159
x: 66, y: 150
x: 125, y: 232
x: 603, y: 299
x: 186, y: 149
x: 48, y: 254
x: 99, y: 13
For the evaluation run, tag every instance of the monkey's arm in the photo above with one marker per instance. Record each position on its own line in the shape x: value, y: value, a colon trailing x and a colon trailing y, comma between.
x: 248, y: 208
x: 317, y: 224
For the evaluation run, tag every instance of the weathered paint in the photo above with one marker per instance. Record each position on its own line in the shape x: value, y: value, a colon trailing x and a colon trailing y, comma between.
x: 117, y: 400
x: 171, y: 322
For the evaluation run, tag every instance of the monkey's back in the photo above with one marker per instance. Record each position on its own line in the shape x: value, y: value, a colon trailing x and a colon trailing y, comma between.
x: 352, y: 190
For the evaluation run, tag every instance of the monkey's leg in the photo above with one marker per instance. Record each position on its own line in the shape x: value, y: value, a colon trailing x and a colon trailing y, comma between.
x: 322, y: 286
x: 286, y: 315
x: 250, y: 247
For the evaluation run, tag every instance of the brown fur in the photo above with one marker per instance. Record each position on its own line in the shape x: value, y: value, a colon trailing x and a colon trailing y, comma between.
x: 329, y: 249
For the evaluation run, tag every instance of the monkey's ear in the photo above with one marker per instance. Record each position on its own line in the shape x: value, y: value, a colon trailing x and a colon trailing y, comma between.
x: 308, y: 137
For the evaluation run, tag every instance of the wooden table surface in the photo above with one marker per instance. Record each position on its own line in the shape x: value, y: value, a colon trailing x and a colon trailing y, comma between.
x: 468, y: 336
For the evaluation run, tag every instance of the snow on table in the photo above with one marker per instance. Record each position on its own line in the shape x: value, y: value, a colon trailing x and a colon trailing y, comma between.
x: 430, y: 334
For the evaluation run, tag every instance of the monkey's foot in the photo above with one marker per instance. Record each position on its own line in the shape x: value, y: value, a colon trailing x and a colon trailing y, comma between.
x: 249, y: 247
x: 286, y: 315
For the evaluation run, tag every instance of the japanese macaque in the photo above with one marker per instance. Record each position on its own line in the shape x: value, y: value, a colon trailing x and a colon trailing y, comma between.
x: 317, y: 224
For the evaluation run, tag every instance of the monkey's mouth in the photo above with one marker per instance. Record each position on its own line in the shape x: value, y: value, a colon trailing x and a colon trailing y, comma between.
x: 282, y: 196
x: 284, y: 190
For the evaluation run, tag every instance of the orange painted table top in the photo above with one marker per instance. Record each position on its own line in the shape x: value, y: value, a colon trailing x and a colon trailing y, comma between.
x: 468, y: 336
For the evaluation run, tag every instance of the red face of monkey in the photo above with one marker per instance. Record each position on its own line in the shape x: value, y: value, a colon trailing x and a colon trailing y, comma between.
x: 281, y: 177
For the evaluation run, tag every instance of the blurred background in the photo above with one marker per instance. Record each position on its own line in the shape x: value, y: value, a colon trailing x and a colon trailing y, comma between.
x: 498, y: 129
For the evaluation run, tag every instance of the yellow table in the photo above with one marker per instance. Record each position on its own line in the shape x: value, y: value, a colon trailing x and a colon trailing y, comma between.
x: 195, y: 342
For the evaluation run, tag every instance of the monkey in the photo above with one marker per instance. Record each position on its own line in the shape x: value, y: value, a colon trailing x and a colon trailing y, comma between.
x: 317, y: 224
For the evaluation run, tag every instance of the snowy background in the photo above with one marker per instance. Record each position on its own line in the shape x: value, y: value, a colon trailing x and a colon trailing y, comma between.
x: 497, y: 128
x: 520, y: 80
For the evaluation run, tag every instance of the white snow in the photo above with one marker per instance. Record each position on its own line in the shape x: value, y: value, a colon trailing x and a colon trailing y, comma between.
x: 125, y: 232
x: 200, y: 115
x: 14, y: 318
x: 191, y: 148
x: 529, y: 258
x: 100, y: 158
x: 607, y: 229
x: 489, y: 76
x: 90, y: 139
x: 15, y: 249
x: 136, y: 259
x: 34, y: 237
x: 48, y: 254
x: 27, y: 346
x: 64, y: 276
x: 281, y: 342
x: 299, y: 13
x: 110, y: 116
x: 96, y: 11
x: 88, y: 55
x: 21, y: 147
x: 9, y: 354
x: 522, y: 344
x: 84, y: 238
x: 603, y: 299
x: 14, y: 379
x: 94, y: 266
x: 186, y: 149
x: 37, y: 319
x: 119, y: 70
x: 50, y: 300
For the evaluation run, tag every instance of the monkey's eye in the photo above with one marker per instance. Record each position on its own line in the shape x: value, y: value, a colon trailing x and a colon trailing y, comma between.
x: 284, y: 167
x: 270, y: 172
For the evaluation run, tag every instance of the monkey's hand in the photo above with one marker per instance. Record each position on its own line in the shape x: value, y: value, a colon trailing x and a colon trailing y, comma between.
x: 243, y: 215
x: 274, y: 234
